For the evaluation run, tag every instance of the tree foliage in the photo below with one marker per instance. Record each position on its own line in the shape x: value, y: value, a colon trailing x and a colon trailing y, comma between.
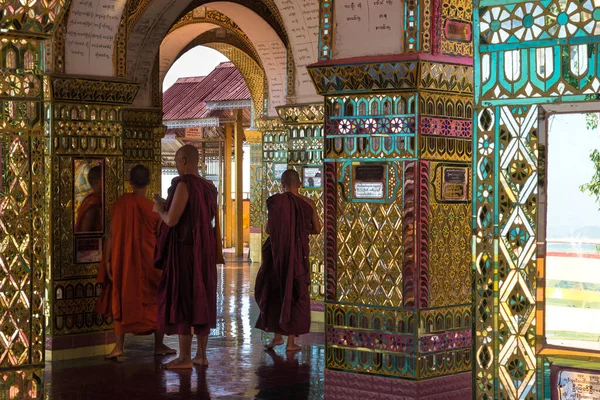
x: 593, y: 186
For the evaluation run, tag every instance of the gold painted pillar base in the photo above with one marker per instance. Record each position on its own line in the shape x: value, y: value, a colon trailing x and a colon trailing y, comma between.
x: 255, y: 246
x: 254, y: 138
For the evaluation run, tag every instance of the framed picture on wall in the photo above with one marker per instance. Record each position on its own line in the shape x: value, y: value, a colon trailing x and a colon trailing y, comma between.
x: 455, y: 183
x: 88, y: 250
x: 278, y: 170
x: 312, y: 177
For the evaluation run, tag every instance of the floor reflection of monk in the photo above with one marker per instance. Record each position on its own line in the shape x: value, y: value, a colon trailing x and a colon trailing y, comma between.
x: 89, y: 215
x: 284, y: 277
x: 127, y: 269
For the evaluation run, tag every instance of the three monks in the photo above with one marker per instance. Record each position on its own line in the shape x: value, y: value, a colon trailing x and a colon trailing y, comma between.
x: 127, y: 268
x: 188, y: 250
x: 283, y: 280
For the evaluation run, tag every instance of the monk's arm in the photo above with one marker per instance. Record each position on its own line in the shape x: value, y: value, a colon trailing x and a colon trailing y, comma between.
x: 180, y: 199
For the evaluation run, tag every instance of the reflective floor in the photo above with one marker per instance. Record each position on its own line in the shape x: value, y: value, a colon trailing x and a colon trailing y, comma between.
x: 239, y: 367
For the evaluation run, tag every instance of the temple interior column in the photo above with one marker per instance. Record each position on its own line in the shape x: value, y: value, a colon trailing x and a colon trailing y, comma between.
x: 228, y: 211
x: 142, y: 134
x: 254, y: 138
x: 398, y: 147
x: 275, y: 157
x: 304, y: 127
x: 239, y: 181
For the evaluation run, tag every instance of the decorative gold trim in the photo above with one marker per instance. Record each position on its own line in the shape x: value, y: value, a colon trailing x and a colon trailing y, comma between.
x: 270, y: 125
x: 67, y: 88
x: 302, y: 113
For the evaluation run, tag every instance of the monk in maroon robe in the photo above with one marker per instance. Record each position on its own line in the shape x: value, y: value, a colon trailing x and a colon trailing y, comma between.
x: 282, y: 282
x: 188, y: 250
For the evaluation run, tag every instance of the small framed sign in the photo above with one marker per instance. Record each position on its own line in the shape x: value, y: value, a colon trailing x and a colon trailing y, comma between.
x: 369, y: 182
x: 88, y: 250
x: 312, y: 177
x: 455, y: 183
x: 278, y: 170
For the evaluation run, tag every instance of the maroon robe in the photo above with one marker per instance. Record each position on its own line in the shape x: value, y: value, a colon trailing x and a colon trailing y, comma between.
x: 187, y: 294
x: 281, y: 289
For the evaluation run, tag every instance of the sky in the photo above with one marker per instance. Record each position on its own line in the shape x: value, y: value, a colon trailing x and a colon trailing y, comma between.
x: 199, y: 61
x: 569, y: 166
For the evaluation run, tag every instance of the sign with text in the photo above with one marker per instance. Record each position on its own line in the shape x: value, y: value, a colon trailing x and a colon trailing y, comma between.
x: 369, y: 182
x: 368, y: 190
x: 575, y: 385
x: 454, y: 183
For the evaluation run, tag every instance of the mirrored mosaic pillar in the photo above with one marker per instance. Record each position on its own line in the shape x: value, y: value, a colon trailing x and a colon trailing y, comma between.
x: 274, y: 161
x: 25, y: 191
x: 304, y: 126
x: 142, y: 134
x: 534, y: 58
x: 87, y: 120
x: 254, y: 138
x: 398, y: 147
x: 397, y: 206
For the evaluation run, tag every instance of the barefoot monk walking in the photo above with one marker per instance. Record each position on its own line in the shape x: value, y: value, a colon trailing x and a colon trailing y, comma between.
x: 188, y: 250
x: 284, y: 277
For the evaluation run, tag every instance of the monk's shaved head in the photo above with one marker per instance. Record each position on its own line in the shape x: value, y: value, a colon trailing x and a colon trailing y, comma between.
x: 95, y: 174
x: 290, y: 178
x: 190, y: 153
x: 139, y: 176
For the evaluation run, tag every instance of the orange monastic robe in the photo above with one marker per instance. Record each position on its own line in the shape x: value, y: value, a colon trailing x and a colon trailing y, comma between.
x: 90, y: 202
x: 132, y: 297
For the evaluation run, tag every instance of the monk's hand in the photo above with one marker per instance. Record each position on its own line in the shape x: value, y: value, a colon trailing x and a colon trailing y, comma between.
x: 109, y: 270
x: 158, y: 207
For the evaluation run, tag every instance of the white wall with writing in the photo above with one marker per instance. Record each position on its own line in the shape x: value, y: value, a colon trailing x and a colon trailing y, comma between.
x: 268, y: 45
x: 301, y: 19
x: 91, y: 31
x: 368, y: 27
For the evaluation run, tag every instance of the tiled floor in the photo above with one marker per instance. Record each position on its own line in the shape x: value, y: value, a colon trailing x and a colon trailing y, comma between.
x: 239, y: 367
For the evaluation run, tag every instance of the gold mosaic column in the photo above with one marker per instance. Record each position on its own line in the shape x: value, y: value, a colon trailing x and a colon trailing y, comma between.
x: 142, y: 134
x: 254, y: 138
x: 304, y: 127
x: 27, y: 28
x: 87, y: 130
x: 274, y: 160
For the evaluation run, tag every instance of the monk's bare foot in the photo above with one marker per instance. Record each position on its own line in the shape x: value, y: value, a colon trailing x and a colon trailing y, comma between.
x: 114, y: 354
x: 293, y: 347
x: 201, y: 361
x: 178, y: 364
x: 274, y: 343
x: 162, y: 350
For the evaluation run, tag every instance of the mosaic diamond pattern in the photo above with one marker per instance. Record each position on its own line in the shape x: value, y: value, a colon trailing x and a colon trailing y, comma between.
x: 450, y: 258
x: 15, y: 259
x: 369, y: 252
x: 513, y: 354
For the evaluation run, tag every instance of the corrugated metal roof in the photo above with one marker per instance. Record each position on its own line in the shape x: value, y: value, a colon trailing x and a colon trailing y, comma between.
x: 187, y: 98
